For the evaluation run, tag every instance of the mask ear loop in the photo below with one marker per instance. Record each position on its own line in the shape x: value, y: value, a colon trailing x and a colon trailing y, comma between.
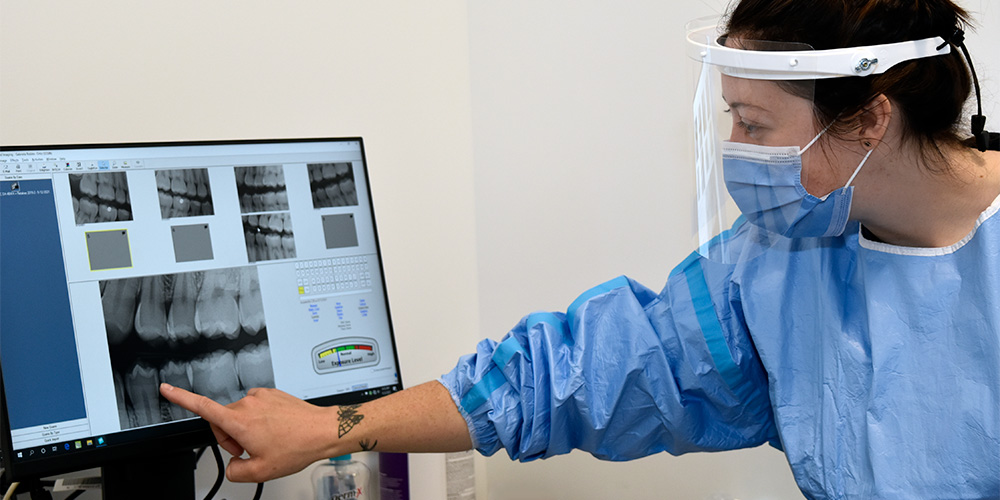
x: 821, y: 132
x: 855, y: 174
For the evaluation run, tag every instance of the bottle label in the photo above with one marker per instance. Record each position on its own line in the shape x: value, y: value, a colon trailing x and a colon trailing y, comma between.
x: 349, y: 495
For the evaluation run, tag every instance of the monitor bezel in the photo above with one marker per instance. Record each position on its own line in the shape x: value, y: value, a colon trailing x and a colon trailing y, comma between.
x: 193, y: 433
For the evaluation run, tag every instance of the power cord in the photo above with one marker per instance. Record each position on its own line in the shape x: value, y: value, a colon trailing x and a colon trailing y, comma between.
x: 222, y: 472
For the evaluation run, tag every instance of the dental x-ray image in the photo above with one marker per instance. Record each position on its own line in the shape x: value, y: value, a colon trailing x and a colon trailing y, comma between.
x: 203, y: 331
x: 261, y: 189
x: 332, y: 185
x: 100, y: 197
x: 184, y: 192
x: 269, y: 236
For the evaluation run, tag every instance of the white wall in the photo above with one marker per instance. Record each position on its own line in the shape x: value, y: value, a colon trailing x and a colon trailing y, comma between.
x: 581, y: 121
x: 520, y: 153
x: 584, y: 175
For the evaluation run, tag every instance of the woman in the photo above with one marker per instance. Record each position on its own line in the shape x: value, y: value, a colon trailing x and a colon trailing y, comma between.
x: 851, y: 318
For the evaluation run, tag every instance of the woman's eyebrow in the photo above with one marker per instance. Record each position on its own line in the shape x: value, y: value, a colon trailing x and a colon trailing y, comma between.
x: 737, y: 105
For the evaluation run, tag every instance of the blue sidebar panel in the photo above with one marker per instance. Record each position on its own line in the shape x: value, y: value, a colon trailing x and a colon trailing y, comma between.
x: 41, y: 369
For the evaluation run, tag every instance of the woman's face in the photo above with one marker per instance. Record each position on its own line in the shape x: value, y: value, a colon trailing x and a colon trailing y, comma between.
x: 765, y: 114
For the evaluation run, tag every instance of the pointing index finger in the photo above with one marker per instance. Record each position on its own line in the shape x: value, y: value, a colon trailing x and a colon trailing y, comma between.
x: 205, y: 407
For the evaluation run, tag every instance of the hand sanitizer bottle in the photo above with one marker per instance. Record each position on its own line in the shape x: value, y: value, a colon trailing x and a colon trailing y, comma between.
x: 341, y: 478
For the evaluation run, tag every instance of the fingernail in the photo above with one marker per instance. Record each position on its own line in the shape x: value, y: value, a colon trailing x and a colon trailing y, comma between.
x: 166, y: 387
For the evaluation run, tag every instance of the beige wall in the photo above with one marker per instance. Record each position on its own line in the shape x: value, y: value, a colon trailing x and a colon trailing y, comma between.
x: 393, y: 72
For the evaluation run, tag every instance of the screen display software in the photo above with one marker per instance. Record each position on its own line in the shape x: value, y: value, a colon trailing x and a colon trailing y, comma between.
x: 215, y: 267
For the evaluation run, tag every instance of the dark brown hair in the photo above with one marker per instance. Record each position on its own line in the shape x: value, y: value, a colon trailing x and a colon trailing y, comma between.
x: 929, y: 93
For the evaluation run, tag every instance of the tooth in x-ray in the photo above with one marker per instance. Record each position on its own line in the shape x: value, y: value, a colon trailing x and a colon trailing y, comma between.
x: 143, y: 386
x: 180, y: 319
x: 214, y: 376
x: 118, y: 302
x: 251, y: 305
x: 176, y: 374
x: 253, y: 365
x: 126, y: 416
x: 151, y: 315
x: 216, y: 312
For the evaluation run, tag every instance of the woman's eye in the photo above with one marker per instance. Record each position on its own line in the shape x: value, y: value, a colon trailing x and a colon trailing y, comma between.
x: 750, y: 129
x: 747, y: 128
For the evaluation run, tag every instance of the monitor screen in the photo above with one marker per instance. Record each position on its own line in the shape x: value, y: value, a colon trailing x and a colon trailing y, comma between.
x: 213, y: 266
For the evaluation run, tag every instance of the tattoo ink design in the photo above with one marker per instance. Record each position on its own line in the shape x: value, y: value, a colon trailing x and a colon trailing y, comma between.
x: 348, y: 417
x: 367, y: 445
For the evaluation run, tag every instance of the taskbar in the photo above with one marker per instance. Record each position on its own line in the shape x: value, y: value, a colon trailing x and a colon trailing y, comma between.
x: 58, y: 449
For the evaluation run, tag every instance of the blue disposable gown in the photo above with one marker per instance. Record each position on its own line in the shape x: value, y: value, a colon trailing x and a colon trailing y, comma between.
x: 876, y: 368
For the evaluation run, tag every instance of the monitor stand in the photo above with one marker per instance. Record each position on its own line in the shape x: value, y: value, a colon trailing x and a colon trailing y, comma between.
x: 169, y: 476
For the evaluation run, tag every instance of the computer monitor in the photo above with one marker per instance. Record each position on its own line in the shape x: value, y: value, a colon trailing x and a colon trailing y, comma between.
x: 214, y: 266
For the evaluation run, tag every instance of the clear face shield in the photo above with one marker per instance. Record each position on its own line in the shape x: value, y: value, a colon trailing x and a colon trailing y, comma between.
x: 755, y: 129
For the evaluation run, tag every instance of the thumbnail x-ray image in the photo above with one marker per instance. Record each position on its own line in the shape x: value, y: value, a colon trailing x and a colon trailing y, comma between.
x: 332, y: 185
x: 204, y: 331
x: 100, y: 197
x: 261, y: 189
x: 269, y: 236
x: 184, y: 192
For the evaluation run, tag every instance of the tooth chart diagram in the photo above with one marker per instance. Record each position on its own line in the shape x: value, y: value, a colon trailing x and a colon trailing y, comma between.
x: 204, y: 331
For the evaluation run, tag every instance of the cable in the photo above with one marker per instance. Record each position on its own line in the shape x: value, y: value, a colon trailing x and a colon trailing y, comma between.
x: 985, y: 140
x: 10, y: 490
x: 222, y: 469
x: 260, y: 489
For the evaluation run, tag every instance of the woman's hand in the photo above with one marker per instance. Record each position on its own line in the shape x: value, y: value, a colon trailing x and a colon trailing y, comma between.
x: 281, y: 433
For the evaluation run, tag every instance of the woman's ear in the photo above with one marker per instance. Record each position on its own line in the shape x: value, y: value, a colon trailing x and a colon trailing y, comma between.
x: 875, y: 120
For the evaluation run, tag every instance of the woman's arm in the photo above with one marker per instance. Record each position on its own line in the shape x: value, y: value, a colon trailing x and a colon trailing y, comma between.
x: 282, y: 434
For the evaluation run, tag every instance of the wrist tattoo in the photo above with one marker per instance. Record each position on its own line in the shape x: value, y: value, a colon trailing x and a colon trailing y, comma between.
x: 347, y: 417
x: 367, y: 445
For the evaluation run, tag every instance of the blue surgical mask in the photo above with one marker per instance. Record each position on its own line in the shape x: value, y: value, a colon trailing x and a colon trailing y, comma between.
x: 766, y: 184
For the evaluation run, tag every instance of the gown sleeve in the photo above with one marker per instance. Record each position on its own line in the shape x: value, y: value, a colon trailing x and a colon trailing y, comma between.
x: 622, y: 374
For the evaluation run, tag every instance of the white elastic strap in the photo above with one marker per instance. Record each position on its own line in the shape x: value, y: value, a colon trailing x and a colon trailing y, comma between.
x: 821, y: 132
x: 855, y: 174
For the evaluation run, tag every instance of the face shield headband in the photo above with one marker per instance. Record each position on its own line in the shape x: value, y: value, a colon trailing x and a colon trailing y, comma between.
x: 703, y: 44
